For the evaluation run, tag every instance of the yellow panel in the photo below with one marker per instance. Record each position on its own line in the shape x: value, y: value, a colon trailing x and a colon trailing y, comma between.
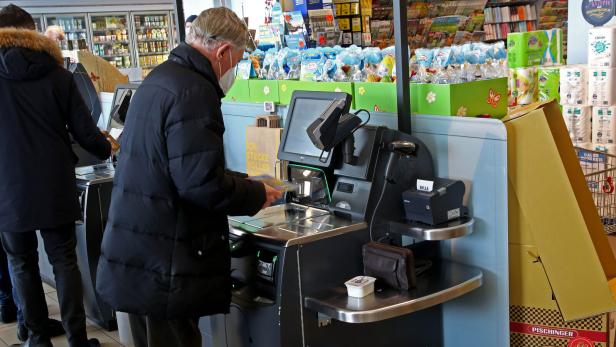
x: 528, y: 284
x: 547, y: 201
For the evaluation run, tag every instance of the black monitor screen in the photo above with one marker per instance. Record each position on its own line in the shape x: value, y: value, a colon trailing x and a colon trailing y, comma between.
x: 305, y: 112
x: 304, y: 109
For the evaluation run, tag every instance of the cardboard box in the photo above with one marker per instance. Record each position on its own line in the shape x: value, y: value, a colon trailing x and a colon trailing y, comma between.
x: 240, y: 92
x: 533, y: 48
x: 485, y: 97
x: 286, y: 88
x: 104, y: 76
x: 263, y: 91
x: 553, y: 219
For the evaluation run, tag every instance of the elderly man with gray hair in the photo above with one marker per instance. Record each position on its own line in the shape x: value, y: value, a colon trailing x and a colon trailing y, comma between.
x: 165, y: 255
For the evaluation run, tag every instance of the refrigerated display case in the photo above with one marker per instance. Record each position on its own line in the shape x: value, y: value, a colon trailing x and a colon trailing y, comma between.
x: 111, y: 39
x: 75, y: 30
x: 152, y: 38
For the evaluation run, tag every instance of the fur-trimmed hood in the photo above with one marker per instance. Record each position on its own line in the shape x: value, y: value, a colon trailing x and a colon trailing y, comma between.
x: 26, y: 54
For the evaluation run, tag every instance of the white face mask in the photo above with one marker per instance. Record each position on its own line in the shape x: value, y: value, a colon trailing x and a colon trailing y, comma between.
x: 226, y: 81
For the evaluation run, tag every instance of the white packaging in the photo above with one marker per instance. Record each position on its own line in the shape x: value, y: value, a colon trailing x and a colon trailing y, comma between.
x: 573, y: 85
x: 360, y: 286
x: 602, y: 47
x: 601, y: 87
x: 578, y: 123
x: 603, y: 125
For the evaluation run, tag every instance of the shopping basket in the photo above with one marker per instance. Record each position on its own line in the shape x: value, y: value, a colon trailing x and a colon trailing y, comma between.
x: 600, y: 172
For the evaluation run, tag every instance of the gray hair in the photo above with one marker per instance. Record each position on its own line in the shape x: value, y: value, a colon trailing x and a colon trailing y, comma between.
x: 217, y: 25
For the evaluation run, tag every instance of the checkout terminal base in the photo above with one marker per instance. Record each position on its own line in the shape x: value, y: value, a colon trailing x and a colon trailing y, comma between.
x: 423, y: 232
x: 445, y: 282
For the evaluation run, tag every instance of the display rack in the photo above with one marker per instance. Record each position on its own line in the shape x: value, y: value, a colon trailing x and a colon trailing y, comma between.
x: 111, y: 39
x: 350, y: 23
x: 75, y: 30
x: 152, y: 37
x: 502, y: 18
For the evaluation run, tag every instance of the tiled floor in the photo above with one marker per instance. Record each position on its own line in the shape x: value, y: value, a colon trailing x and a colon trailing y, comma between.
x: 8, y: 334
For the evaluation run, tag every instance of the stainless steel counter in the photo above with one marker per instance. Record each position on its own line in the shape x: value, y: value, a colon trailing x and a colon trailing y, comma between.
x: 293, y: 224
x: 444, y: 282
x: 448, y: 231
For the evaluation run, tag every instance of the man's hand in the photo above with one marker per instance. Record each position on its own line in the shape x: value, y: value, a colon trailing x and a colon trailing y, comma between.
x: 115, y: 146
x: 271, y: 195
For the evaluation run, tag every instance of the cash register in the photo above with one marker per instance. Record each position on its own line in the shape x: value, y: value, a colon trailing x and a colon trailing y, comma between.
x: 290, y: 261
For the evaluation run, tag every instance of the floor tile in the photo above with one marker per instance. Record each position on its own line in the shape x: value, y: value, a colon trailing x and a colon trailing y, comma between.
x: 48, y: 289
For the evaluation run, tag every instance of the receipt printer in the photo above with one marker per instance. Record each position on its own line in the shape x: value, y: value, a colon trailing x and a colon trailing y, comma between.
x: 434, y: 202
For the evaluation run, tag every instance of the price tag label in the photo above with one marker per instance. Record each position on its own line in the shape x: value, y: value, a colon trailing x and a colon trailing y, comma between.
x: 425, y: 186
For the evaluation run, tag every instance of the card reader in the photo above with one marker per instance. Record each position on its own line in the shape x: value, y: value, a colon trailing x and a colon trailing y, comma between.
x: 435, y: 202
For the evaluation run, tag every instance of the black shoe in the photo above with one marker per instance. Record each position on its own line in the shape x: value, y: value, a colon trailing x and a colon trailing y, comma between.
x: 94, y: 343
x: 54, y: 328
x: 35, y: 341
x: 8, y: 312
x: 22, y: 332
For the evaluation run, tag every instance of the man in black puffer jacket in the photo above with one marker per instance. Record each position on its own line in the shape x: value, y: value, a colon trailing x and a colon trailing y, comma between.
x: 165, y: 255
x: 40, y: 106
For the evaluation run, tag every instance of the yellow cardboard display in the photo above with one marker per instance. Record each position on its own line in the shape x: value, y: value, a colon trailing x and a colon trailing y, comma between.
x: 551, y: 211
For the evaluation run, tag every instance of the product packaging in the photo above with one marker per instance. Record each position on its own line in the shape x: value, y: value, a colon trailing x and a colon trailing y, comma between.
x: 602, y: 87
x: 602, y: 47
x: 577, y: 119
x: 573, y: 85
x: 526, y: 85
x: 533, y: 48
x: 603, y: 125
x: 549, y: 82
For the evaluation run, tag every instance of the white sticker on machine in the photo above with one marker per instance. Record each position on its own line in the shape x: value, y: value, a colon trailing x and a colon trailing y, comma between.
x: 453, y: 214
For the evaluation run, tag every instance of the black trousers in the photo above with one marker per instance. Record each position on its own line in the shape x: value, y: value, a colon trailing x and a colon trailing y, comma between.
x: 60, y: 243
x: 152, y: 332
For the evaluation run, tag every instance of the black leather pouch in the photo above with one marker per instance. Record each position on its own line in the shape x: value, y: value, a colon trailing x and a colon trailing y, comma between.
x: 393, y: 265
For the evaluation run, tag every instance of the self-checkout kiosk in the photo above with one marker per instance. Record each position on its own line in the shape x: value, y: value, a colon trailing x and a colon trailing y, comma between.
x: 94, y: 185
x: 290, y: 261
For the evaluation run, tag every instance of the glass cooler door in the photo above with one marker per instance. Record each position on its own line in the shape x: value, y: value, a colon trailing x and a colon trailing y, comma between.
x: 75, y: 30
x: 38, y: 22
x: 111, y: 39
x: 153, y: 39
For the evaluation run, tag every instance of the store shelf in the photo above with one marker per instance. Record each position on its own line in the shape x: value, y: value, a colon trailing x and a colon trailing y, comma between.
x: 151, y: 27
x: 153, y: 40
x: 152, y: 53
x: 511, y: 21
x: 418, y: 231
x: 110, y: 42
x: 75, y: 31
x: 443, y: 282
x: 507, y: 4
x: 105, y: 30
x: 114, y: 56
x: 148, y: 67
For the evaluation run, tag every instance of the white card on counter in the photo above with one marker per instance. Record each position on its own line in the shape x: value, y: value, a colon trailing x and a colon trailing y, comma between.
x: 115, y: 133
x: 425, y: 186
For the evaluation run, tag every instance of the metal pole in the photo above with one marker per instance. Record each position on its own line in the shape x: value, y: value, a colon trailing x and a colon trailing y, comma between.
x: 402, y: 65
x: 179, y: 20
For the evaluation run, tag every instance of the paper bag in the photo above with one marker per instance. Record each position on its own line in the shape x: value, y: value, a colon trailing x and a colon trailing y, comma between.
x: 262, y: 151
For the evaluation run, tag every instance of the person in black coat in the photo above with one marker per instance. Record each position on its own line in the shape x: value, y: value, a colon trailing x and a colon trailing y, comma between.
x: 40, y: 107
x: 165, y: 255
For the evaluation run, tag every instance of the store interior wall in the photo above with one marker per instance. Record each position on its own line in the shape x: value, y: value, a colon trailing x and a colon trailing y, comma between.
x: 578, y: 33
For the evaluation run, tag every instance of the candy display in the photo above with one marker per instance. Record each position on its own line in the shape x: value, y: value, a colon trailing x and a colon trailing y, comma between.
x: 445, y: 65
